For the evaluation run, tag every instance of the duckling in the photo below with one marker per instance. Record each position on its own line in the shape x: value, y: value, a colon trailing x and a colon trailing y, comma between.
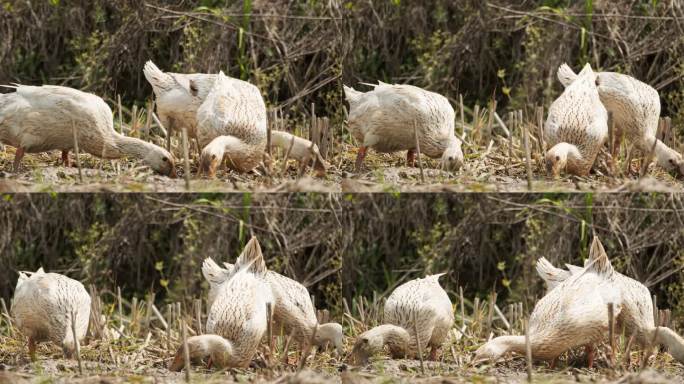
x: 43, y: 306
x: 636, y: 110
x: 420, y: 304
x: 576, y: 128
x: 384, y: 119
x: 293, y: 308
x: 237, y: 317
x: 232, y: 122
x: 40, y: 119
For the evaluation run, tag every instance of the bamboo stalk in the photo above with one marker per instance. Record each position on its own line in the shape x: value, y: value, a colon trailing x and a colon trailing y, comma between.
x: 77, y: 152
x: 198, y: 315
x: 269, y: 327
x: 418, y: 157
x: 118, y: 103
x: 186, y: 352
x: 528, y: 351
x: 462, y: 110
x: 611, y: 333
x: 186, y: 158
x: 77, y: 346
x: 528, y: 155
x: 420, y: 348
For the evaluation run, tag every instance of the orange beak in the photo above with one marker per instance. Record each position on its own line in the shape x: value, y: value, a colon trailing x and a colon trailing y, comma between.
x: 209, y: 167
x: 178, y: 361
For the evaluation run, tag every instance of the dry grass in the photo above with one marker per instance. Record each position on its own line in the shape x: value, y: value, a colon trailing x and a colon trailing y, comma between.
x: 489, y: 168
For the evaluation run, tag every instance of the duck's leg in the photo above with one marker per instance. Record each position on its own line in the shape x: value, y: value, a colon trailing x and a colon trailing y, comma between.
x: 411, y: 158
x: 433, y: 352
x: 17, y: 158
x: 65, y: 158
x: 32, y: 348
x: 360, y: 157
x: 553, y: 363
x: 590, y: 355
x: 210, y: 362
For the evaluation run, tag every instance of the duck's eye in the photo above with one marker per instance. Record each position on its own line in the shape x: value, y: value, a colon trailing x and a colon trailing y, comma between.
x: 213, y: 157
x: 557, y: 158
x: 165, y: 159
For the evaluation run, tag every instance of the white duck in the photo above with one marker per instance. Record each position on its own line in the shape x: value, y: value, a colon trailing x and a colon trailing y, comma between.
x: 636, y: 109
x: 43, y: 306
x: 293, y: 308
x: 637, y: 308
x: 303, y: 150
x: 384, y: 119
x: 237, y: 318
x: 420, y: 304
x: 178, y: 96
x: 232, y: 122
x: 574, y: 313
x: 576, y: 128
x: 40, y: 119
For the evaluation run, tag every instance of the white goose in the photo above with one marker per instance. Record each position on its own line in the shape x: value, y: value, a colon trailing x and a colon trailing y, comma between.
x: 636, y: 109
x: 293, y: 308
x: 576, y: 128
x: 232, y: 122
x: 40, y: 119
x: 384, y: 119
x: 237, y: 318
x: 420, y: 304
x: 43, y: 306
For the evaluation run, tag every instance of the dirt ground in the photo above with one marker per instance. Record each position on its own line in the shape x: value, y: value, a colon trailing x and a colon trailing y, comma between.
x: 381, y: 173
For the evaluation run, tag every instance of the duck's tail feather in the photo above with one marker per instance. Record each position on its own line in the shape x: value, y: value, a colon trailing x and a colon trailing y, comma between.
x: 566, y: 75
x: 252, y: 259
x: 212, y: 272
x: 352, y: 94
x: 598, y: 259
x: 551, y: 275
x: 159, y: 80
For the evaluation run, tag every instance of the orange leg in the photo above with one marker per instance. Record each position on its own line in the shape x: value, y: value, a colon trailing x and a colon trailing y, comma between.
x: 360, y: 156
x: 411, y: 158
x: 17, y: 158
x: 209, y: 363
x: 65, y: 158
x: 553, y: 363
x: 433, y: 353
x: 590, y: 355
x: 32, y: 348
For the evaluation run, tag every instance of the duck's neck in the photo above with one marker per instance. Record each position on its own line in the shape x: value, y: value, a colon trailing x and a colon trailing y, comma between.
x: 118, y: 146
x: 396, y: 338
x: 662, y: 152
x: 330, y: 334
x: 506, y: 344
x: 670, y: 340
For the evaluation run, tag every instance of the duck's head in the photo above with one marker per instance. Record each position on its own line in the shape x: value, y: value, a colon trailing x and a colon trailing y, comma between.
x: 330, y: 334
x: 161, y: 161
x: 676, y: 164
x: 200, y: 347
x: 366, y: 345
x: 557, y: 158
x: 489, y: 353
x: 210, y: 160
x: 452, y: 158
